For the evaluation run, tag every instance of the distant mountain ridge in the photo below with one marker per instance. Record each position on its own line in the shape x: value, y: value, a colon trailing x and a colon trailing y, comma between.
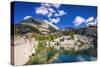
x: 35, y: 25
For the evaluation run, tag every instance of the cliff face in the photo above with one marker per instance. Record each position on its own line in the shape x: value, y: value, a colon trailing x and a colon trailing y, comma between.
x: 23, y: 49
x: 78, y: 42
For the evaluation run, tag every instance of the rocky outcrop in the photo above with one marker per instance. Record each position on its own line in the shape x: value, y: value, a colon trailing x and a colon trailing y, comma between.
x: 22, y: 48
x: 31, y: 25
x: 78, y: 42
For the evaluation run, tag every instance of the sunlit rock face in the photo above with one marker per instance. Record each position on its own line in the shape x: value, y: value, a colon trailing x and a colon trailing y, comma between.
x: 23, y: 49
x: 78, y: 42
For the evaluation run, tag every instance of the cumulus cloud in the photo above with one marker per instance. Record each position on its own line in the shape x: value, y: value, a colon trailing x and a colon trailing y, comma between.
x: 54, y: 20
x: 50, y: 14
x: 50, y: 10
x: 42, y: 10
x: 56, y: 5
x: 90, y: 19
x: 96, y: 20
x: 27, y: 17
x: 62, y: 12
x: 56, y: 14
x: 46, y: 4
x: 52, y: 24
x: 92, y: 23
x: 78, y: 20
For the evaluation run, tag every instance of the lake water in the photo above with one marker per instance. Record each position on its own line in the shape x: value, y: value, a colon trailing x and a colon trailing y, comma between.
x: 62, y: 58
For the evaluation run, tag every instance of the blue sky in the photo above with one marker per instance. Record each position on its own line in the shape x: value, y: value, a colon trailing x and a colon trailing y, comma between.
x: 62, y: 15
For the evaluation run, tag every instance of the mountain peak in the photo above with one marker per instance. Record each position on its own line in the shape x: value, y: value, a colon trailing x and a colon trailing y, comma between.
x: 30, y: 24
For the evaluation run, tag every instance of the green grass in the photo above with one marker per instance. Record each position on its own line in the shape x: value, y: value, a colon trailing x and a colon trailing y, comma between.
x: 51, y: 53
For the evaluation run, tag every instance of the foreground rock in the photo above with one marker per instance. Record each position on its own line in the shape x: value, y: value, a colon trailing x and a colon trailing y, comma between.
x: 22, y: 48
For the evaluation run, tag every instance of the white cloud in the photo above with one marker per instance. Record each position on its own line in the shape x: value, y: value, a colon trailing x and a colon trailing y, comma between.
x: 50, y: 23
x: 56, y: 5
x: 78, y: 20
x: 54, y: 20
x: 46, y: 4
x: 62, y: 12
x: 42, y: 10
x: 96, y: 20
x: 56, y: 14
x: 27, y: 17
x: 91, y: 23
x: 51, y: 10
x: 90, y: 19
x: 50, y: 14
x: 50, y: 5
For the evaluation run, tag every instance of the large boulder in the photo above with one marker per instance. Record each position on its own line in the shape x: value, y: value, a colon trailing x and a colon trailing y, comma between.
x: 23, y: 48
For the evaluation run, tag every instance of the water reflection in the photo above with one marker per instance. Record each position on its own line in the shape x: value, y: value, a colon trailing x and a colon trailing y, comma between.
x: 73, y: 58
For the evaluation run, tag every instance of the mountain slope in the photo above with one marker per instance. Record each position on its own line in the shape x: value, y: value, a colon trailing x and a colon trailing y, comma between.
x: 34, y: 25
